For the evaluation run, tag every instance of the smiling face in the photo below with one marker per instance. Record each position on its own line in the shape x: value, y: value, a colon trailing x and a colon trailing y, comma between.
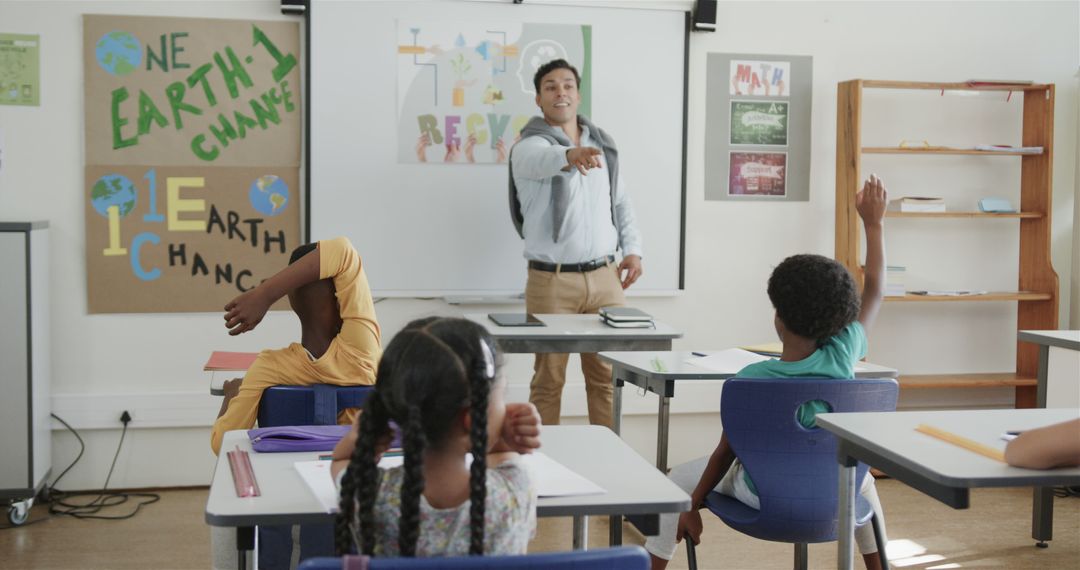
x: 558, y: 97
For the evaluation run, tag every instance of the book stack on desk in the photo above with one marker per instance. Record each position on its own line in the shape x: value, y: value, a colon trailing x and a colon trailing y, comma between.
x: 626, y: 318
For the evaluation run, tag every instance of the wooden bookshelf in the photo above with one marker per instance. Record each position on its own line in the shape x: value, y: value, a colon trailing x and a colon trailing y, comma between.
x: 939, y: 150
x: 988, y: 215
x: 988, y: 296
x: 977, y: 380
x: 1036, y: 293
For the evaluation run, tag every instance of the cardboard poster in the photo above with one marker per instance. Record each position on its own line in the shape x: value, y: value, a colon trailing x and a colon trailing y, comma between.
x: 758, y: 174
x: 465, y: 90
x: 759, y: 123
x: 192, y: 159
x: 755, y: 77
x: 20, y: 70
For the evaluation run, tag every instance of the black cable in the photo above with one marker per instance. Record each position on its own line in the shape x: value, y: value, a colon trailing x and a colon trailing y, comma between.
x: 103, y: 500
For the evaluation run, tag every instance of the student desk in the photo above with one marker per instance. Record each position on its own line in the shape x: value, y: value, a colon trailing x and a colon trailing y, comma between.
x: 942, y: 470
x: 1058, y: 387
x: 658, y: 372
x: 575, y: 334
x: 633, y: 486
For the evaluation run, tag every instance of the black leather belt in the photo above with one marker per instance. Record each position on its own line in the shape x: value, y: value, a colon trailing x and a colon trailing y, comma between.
x: 583, y: 267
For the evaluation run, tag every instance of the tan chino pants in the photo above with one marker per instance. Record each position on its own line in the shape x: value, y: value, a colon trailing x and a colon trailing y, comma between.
x: 571, y: 292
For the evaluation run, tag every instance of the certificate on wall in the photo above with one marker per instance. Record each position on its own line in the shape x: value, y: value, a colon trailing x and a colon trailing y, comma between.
x: 757, y: 140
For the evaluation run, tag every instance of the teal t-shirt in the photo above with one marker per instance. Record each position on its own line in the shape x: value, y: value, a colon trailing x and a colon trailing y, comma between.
x: 834, y: 359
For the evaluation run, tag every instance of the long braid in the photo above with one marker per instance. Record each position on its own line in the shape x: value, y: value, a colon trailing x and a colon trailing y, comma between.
x: 480, y: 379
x: 361, y: 481
x: 412, y: 485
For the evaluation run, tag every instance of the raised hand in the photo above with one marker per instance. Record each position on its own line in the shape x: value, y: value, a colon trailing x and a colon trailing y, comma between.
x: 470, y: 144
x: 500, y: 151
x: 422, y: 143
x: 871, y: 201
x: 452, y: 151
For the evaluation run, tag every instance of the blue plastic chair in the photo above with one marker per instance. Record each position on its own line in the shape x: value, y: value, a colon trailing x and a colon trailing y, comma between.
x: 619, y: 558
x: 314, y: 405
x: 317, y: 404
x: 793, y: 468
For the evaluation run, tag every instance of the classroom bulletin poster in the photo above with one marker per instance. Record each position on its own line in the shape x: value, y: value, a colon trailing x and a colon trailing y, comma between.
x: 20, y: 69
x: 465, y: 90
x: 757, y: 141
x: 192, y: 159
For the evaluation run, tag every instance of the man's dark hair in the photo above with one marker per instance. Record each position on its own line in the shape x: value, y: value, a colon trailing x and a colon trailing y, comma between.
x: 552, y: 66
x: 814, y: 296
x: 301, y: 252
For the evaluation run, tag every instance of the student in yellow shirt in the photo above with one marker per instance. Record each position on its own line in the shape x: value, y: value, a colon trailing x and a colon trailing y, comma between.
x: 339, y: 340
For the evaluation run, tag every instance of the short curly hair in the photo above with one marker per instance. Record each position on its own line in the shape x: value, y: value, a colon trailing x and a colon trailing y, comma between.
x: 815, y: 297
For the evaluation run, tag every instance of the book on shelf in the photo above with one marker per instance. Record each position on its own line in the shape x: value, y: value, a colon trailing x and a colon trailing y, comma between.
x: 998, y: 82
x: 1009, y: 148
x: 917, y: 204
x: 948, y: 292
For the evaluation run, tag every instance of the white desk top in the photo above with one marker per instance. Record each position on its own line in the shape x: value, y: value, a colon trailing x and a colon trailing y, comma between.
x: 678, y: 365
x: 633, y: 485
x: 1063, y: 339
x: 892, y: 435
x: 572, y: 326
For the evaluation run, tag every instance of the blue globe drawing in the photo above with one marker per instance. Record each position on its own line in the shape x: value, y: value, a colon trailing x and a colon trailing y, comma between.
x: 269, y: 195
x: 119, y: 53
x: 113, y: 190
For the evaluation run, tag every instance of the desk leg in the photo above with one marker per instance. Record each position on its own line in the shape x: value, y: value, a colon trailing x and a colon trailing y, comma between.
x: 581, y: 532
x: 846, y: 513
x: 616, y: 402
x: 245, y: 541
x: 1042, y: 515
x: 663, y: 419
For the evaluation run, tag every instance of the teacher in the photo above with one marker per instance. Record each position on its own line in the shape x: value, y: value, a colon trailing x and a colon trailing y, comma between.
x: 570, y: 205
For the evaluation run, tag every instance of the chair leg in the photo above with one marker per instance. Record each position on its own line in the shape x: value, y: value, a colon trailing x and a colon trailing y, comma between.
x: 802, y: 556
x: 691, y: 554
x: 880, y: 540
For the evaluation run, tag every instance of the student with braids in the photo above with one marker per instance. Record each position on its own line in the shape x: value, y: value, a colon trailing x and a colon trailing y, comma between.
x: 437, y: 380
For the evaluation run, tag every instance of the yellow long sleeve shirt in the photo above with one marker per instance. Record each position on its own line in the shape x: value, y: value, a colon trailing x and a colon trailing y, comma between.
x: 351, y: 359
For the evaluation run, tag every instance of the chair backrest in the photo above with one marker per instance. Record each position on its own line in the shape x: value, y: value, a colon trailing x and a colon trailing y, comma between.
x: 620, y: 558
x: 795, y: 469
x: 317, y: 404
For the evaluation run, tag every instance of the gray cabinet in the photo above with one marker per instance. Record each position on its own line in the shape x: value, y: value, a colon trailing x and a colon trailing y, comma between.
x: 25, y: 434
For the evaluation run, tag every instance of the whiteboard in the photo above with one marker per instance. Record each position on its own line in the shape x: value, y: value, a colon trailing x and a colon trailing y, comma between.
x: 444, y: 229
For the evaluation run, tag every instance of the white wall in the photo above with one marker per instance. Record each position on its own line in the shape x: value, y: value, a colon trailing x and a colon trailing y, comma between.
x: 150, y: 364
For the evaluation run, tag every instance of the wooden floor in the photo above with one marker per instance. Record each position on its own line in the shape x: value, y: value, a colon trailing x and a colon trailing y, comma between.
x: 994, y: 533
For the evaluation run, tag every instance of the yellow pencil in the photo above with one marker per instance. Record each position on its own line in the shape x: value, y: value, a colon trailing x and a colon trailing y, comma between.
x: 970, y: 445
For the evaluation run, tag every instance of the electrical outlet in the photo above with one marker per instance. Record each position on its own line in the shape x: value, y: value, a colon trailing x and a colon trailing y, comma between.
x: 125, y: 417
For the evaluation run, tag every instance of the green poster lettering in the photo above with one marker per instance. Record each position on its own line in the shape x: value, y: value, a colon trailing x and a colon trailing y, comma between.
x: 199, y: 76
x: 285, y: 62
x: 175, y: 93
x: 244, y: 122
x: 177, y: 49
x: 429, y: 125
x: 497, y: 124
x: 231, y: 74
x: 226, y: 133
x: 151, y: 57
x: 148, y: 111
x: 265, y: 113
x: 119, y: 96
x: 197, y: 148
x: 286, y: 97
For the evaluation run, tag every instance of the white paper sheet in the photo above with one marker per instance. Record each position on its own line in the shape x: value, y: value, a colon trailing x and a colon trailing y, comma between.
x: 553, y: 479
x: 731, y: 360
x: 317, y: 476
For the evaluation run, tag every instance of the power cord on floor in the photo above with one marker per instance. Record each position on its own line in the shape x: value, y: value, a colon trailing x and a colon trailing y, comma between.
x: 58, y: 500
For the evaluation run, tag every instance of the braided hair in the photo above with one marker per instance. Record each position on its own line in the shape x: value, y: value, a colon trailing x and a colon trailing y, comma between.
x: 429, y: 373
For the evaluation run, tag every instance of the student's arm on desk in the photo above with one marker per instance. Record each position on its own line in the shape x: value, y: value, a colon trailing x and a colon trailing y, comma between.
x: 1055, y: 445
